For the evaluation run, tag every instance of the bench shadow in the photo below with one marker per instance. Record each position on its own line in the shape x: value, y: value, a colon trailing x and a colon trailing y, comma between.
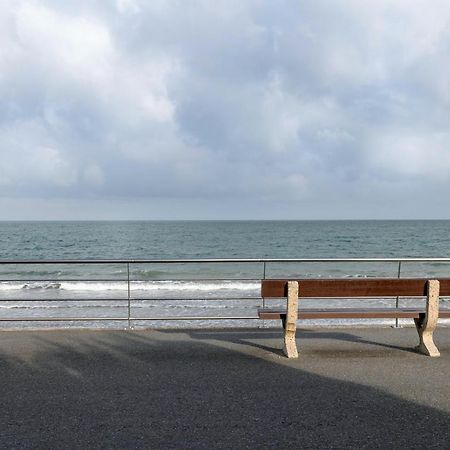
x: 162, y: 390
x: 247, y: 337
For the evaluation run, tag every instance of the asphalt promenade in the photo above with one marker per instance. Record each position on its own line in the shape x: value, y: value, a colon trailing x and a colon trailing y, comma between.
x: 225, y: 389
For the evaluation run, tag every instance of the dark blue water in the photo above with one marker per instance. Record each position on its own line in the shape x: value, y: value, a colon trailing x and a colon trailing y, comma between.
x: 224, y: 239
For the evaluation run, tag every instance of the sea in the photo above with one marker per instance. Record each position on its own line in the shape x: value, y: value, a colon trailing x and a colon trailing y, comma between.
x: 170, y: 292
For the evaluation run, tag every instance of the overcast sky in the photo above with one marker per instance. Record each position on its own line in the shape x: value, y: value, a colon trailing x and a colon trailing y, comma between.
x: 224, y: 109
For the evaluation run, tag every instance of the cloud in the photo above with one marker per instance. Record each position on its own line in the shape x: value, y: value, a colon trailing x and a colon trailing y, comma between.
x: 410, y: 153
x: 253, y: 103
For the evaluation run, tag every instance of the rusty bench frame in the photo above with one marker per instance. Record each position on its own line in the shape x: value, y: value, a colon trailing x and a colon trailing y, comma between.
x: 425, y: 319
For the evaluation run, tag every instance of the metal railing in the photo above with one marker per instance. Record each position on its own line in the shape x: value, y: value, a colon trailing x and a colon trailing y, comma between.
x: 261, y: 270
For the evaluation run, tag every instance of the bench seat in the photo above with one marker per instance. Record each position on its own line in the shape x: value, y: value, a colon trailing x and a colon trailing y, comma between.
x: 349, y: 313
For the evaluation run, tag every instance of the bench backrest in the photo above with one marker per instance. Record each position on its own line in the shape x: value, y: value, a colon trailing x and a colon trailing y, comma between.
x: 354, y: 287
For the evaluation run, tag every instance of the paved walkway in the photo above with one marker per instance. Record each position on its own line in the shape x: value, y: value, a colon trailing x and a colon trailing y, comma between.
x: 205, y: 389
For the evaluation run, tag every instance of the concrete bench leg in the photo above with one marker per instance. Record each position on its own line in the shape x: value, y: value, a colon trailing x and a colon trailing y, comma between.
x: 290, y: 321
x: 426, y: 325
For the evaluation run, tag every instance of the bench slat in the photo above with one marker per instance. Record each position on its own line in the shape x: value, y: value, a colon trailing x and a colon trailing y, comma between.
x: 354, y: 287
x: 350, y: 313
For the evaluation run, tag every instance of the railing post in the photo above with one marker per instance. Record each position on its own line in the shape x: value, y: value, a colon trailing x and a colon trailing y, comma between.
x: 264, y: 277
x: 128, y: 296
x: 397, y: 299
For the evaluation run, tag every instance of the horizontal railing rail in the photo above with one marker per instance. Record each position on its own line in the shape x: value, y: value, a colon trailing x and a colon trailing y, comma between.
x: 129, y: 284
x: 214, y: 260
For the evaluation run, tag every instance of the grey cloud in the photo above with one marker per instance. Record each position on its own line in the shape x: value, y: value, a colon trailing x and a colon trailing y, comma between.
x: 252, y: 104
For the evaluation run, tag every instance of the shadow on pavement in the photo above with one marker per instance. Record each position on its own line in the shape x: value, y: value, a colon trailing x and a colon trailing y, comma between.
x: 150, y: 390
x: 247, y: 337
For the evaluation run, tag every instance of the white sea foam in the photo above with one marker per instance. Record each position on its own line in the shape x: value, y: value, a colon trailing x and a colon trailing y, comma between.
x: 166, y: 285
x: 177, y: 304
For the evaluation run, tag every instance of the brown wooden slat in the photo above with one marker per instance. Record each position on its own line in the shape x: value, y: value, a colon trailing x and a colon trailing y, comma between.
x: 354, y: 287
x: 350, y: 313
x: 345, y: 313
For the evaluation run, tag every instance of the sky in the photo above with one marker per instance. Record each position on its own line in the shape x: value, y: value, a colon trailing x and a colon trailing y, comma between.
x: 224, y: 109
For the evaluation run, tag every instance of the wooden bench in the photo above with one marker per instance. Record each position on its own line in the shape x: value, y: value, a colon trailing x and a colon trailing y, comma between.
x: 425, y: 318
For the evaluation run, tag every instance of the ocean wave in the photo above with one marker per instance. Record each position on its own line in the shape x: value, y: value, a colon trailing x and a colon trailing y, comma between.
x: 42, y: 285
x: 59, y: 305
x: 167, y: 285
x: 157, y: 306
x: 15, y: 285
